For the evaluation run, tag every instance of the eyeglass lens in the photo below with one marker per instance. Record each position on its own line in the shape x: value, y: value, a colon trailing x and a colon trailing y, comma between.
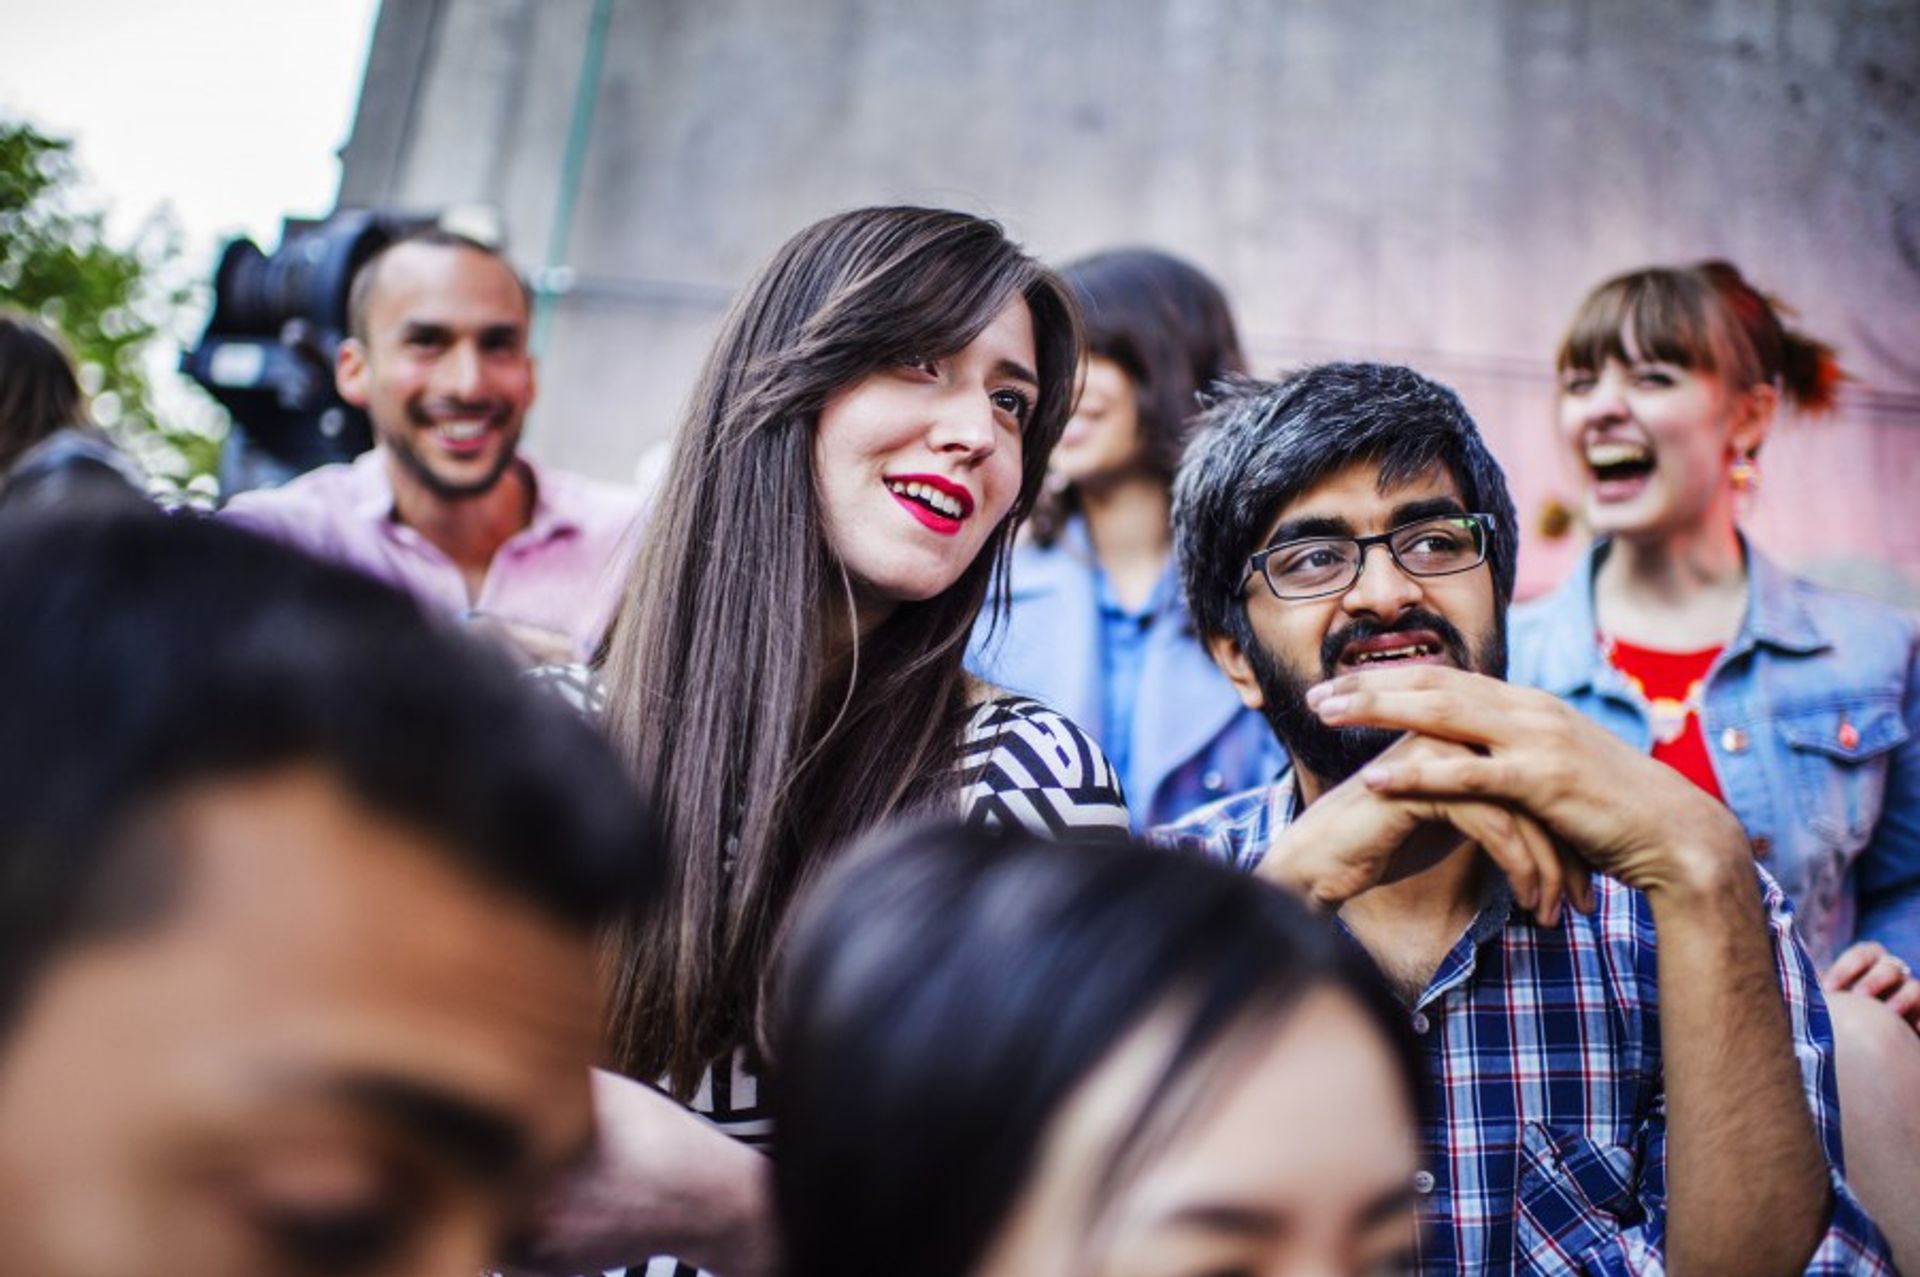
x: 1432, y: 547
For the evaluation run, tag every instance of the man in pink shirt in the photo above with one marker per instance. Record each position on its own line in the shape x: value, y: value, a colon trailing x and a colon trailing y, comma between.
x: 444, y: 506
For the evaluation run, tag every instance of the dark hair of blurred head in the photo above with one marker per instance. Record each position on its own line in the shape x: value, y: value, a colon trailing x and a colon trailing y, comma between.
x: 1706, y: 317
x: 1169, y: 328
x: 1265, y: 444
x: 948, y: 989
x: 143, y: 655
x: 39, y: 393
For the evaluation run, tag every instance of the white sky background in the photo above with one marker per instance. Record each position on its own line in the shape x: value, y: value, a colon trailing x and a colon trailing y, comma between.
x: 230, y: 111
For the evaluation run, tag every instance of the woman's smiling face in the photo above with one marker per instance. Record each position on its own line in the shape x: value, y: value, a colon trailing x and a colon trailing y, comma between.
x: 1103, y: 437
x: 916, y: 465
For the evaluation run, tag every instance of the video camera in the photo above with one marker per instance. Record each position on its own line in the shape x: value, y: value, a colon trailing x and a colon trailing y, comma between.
x: 268, y: 350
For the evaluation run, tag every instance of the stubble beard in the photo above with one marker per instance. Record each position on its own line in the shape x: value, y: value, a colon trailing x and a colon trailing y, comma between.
x: 1332, y: 754
x: 400, y: 444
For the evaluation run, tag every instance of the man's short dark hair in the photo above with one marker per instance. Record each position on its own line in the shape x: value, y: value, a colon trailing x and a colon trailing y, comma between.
x: 360, y: 291
x: 141, y: 656
x: 1263, y: 444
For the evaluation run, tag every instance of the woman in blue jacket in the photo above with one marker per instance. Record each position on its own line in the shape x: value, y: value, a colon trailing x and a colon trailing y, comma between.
x: 1798, y: 706
x: 1098, y: 627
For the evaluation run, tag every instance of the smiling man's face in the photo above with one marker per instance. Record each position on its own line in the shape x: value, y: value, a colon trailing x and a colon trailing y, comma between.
x: 1385, y: 618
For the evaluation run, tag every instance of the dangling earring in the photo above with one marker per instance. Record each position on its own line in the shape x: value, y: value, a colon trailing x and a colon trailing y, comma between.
x: 1744, y: 474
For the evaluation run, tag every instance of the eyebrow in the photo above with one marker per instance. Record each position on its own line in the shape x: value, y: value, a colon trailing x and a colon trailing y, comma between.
x: 1324, y: 525
x: 1253, y: 1221
x: 483, y: 1144
x: 436, y: 328
x: 1017, y: 371
x: 1227, y: 1217
x: 1431, y: 508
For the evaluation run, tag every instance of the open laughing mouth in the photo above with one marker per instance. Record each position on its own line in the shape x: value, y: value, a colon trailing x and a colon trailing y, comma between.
x: 1620, y: 467
x: 940, y: 504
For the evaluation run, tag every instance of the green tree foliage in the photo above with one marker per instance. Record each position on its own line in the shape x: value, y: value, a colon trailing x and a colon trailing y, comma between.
x: 56, y: 261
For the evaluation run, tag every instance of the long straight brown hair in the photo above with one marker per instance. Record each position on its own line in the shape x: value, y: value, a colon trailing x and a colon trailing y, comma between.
x: 760, y: 752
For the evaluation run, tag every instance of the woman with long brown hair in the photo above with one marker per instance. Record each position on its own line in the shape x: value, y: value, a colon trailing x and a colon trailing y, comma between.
x: 785, y: 672
x: 1797, y: 706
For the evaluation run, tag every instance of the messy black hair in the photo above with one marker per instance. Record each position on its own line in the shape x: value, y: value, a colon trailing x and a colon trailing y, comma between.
x: 1264, y: 444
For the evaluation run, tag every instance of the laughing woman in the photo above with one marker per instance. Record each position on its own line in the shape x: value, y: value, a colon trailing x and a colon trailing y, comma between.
x: 786, y: 672
x: 1797, y: 706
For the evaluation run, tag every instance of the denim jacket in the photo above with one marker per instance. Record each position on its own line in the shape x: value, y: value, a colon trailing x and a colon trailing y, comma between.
x: 1192, y: 739
x: 1812, y: 720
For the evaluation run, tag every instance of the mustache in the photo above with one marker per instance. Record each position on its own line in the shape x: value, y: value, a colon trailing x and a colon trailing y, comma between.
x: 1337, y: 641
x: 427, y: 414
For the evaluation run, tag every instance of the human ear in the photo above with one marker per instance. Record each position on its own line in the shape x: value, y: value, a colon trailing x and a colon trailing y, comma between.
x: 350, y: 372
x: 1232, y: 660
x: 1753, y: 414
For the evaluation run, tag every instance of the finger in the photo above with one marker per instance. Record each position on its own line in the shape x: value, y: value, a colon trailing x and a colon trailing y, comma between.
x: 1433, y: 700
x: 1905, y: 1002
x: 1553, y: 871
x: 1882, y: 978
x: 1463, y: 776
x: 1498, y: 831
x: 1579, y: 878
x: 1851, y: 965
x: 1576, y: 875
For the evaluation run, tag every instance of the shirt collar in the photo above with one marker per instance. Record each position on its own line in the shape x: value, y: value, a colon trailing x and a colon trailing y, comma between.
x: 1497, y: 910
x: 1777, y: 614
x: 1568, y: 657
x: 372, y: 496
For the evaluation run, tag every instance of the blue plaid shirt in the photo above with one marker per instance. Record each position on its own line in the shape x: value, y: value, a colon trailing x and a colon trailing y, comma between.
x: 1545, y: 1146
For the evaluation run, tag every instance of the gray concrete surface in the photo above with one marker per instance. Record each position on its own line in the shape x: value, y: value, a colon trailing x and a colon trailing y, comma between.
x: 1436, y: 182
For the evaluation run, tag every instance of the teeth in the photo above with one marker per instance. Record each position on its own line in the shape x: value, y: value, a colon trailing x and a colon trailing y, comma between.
x: 1617, y: 454
x: 462, y: 431
x: 929, y: 496
x: 1391, y: 653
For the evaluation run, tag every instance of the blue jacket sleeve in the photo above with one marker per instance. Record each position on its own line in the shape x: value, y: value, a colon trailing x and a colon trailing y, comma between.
x: 1888, y: 871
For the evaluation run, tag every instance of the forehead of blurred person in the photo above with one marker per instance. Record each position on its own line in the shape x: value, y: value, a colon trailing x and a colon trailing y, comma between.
x: 327, y: 1047
x: 1286, y: 1150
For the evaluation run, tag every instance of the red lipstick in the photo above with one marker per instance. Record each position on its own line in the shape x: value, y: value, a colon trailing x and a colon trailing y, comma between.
x: 934, y: 520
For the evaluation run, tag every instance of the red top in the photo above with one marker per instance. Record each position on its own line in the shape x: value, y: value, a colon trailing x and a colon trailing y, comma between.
x: 1672, y: 684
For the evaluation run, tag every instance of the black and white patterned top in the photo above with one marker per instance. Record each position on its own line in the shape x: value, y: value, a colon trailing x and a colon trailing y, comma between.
x: 1026, y: 765
x: 1022, y: 764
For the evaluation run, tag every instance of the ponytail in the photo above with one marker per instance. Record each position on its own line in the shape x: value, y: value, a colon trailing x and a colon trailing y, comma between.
x: 1806, y: 369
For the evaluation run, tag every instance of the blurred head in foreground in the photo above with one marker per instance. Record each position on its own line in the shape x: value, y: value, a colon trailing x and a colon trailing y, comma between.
x: 297, y: 897
x: 1000, y: 1056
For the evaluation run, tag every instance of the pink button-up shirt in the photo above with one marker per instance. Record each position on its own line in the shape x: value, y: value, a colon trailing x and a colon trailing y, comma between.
x: 557, y: 578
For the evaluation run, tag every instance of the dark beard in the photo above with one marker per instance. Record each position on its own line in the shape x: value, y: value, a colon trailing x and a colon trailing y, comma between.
x: 400, y: 444
x: 1334, y: 753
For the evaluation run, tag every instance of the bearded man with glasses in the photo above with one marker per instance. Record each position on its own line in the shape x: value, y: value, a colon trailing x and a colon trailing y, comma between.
x: 1629, y: 1062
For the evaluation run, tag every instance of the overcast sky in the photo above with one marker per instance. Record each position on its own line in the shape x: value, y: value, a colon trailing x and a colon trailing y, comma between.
x: 231, y: 111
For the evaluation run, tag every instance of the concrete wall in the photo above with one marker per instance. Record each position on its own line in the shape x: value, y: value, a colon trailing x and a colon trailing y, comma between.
x: 1431, y: 182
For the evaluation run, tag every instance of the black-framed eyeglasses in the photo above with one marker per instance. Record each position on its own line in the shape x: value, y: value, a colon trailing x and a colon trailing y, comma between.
x: 1314, y: 567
